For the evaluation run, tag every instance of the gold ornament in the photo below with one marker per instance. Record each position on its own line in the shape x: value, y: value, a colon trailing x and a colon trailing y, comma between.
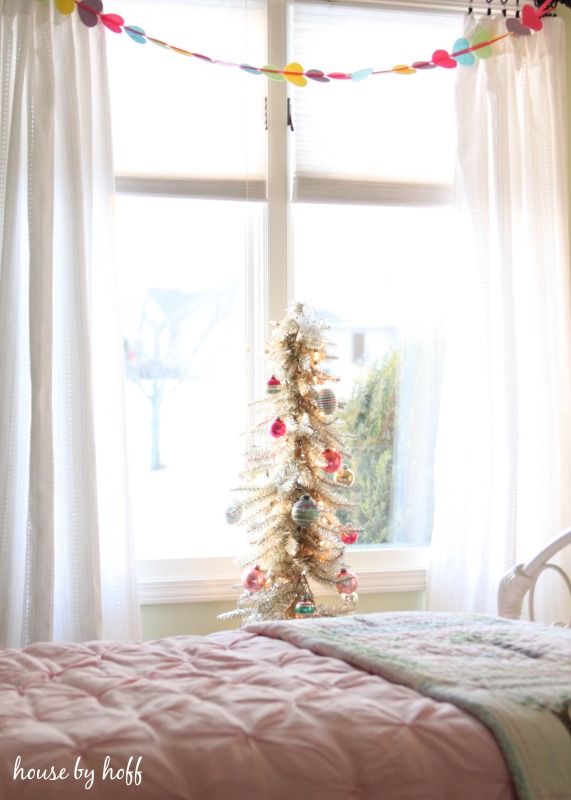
x: 344, y: 476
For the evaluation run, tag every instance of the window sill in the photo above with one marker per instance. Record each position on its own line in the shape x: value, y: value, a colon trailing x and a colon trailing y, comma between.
x: 380, y: 570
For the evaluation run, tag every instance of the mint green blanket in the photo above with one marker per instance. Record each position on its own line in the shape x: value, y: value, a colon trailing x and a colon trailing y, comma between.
x: 515, y: 677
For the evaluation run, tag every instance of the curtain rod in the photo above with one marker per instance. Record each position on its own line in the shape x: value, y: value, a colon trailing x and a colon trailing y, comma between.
x: 444, y: 6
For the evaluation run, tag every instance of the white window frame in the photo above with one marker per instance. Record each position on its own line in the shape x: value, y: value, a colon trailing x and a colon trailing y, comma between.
x: 380, y: 568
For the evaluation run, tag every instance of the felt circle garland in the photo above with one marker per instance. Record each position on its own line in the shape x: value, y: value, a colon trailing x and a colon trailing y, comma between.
x: 464, y: 52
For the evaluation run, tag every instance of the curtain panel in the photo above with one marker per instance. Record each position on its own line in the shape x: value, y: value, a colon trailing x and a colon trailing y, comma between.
x: 66, y: 559
x: 504, y: 443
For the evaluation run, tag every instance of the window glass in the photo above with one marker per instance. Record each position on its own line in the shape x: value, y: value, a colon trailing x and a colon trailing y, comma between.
x: 189, y: 137
x: 383, y: 278
x: 176, y: 115
x: 183, y: 303
x: 350, y: 135
x: 374, y: 243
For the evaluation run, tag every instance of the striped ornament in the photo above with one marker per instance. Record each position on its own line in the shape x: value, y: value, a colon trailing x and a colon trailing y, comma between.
x: 305, y: 512
x: 233, y: 513
x: 327, y: 401
x: 273, y: 386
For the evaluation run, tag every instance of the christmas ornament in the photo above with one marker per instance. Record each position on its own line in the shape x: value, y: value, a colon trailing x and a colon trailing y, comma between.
x: 305, y: 608
x: 253, y: 579
x: 233, y: 513
x: 327, y: 401
x: 344, y: 476
x: 349, y: 536
x: 305, y: 512
x: 349, y: 582
x: 350, y: 599
x: 273, y: 386
x: 277, y: 428
x: 333, y: 459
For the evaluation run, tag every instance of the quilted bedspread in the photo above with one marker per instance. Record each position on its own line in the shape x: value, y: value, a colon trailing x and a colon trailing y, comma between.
x: 514, y: 676
x: 230, y: 716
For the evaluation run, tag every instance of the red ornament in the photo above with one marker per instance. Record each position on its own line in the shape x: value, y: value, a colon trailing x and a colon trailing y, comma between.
x: 349, y: 583
x: 253, y: 579
x: 277, y: 428
x: 349, y: 537
x: 333, y: 459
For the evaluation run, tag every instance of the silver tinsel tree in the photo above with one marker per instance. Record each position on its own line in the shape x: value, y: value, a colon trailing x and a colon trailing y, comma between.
x: 294, y: 482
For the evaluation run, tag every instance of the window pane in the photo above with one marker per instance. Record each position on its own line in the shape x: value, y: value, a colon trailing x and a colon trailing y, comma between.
x: 183, y: 288
x: 196, y: 129
x: 386, y: 128
x: 373, y: 247
x: 383, y: 277
x: 180, y: 116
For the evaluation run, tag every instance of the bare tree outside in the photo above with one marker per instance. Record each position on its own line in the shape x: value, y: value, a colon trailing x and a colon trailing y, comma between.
x: 172, y: 345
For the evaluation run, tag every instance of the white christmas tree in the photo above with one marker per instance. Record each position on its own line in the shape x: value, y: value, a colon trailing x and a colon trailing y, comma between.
x: 294, y: 483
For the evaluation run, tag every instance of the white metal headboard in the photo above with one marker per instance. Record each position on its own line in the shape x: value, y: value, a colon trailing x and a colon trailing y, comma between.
x: 521, y: 580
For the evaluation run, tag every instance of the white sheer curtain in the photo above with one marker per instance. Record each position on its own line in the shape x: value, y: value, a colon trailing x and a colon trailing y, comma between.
x: 66, y: 563
x: 503, y: 471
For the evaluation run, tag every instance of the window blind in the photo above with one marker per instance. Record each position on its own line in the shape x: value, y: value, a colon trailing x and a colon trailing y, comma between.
x: 378, y: 141
x: 183, y: 125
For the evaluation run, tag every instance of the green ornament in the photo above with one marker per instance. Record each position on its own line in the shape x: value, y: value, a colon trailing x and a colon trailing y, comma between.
x: 305, y: 608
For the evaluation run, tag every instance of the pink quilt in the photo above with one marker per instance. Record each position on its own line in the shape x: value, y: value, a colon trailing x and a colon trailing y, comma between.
x: 514, y: 676
x: 230, y: 716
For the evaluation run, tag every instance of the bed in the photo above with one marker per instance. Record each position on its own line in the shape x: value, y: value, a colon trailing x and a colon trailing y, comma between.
x: 389, y: 705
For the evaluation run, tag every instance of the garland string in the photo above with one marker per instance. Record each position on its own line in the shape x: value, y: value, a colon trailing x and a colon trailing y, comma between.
x: 464, y: 52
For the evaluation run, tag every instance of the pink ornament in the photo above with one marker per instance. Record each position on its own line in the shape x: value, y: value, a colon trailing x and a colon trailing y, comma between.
x: 253, y: 579
x: 277, y: 428
x: 333, y: 459
x: 349, y: 582
x: 349, y: 537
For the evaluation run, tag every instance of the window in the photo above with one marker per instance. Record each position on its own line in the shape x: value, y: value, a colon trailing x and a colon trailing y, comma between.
x: 190, y: 152
x: 221, y: 224
x: 372, y: 176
